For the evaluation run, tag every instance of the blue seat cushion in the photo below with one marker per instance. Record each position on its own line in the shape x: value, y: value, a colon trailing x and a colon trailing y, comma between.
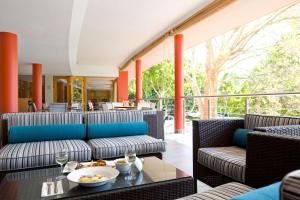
x: 240, y: 137
x: 270, y: 192
x: 21, y: 134
x: 116, y: 130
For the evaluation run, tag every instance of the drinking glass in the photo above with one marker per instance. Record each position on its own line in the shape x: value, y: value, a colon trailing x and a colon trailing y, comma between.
x: 61, y: 158
x: 130, y: 156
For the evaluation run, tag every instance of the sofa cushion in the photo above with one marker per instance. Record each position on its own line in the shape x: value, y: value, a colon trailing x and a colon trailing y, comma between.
x: 229, y: 161
x: 106, y: 117
x: 37, y: 154
x: 19, y: 134
x: 270, y: 192
x: 42, y: 118
x: 115, y: 147
x: 240, y: 137
x: 222, y: 192
x: 116, y: 130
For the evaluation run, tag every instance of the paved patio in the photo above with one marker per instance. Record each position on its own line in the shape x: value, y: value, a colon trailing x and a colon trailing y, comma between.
x: 179, y: 150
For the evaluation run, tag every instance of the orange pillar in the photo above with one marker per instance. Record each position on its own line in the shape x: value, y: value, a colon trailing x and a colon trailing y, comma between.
x: 138, y: 80
x: 123, y: 86
x: 179, y: 81
x: 8, y: 72
x: 37, y: 86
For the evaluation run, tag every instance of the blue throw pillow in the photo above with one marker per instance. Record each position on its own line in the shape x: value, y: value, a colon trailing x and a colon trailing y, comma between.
x: 116, y: 130
x: 240, y: 137
x: 270, y: 192
x: 20, y: 134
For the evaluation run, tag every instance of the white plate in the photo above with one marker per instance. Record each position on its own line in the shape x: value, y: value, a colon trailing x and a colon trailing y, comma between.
x: 108, y: 172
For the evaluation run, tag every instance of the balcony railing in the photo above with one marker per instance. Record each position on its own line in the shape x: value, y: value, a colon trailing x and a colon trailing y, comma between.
x: 221, y: 106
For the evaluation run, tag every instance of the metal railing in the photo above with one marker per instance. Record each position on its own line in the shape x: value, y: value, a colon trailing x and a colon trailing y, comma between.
x: 233, y: 105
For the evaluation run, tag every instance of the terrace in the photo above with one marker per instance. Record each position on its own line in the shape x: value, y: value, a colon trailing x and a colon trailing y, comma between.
x: 204, y: 95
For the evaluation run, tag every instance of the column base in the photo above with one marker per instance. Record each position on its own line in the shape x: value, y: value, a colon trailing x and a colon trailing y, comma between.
x: 178, y: 131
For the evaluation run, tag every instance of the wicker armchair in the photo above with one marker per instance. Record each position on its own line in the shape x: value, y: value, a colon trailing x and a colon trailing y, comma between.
x: 272, y: 151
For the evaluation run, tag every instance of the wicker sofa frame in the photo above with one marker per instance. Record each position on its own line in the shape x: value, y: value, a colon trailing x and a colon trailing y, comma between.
x: 269, y: 156
x: 153, y: 119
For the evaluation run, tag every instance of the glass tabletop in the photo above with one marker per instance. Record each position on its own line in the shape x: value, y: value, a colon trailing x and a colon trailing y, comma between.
x: 28, y: 184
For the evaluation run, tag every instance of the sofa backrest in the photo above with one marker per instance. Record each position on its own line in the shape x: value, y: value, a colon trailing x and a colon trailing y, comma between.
x: 108, y: 117
x: 154, y: 119
x: 37, y: 118
x: 116, y: 130
x: 253, y: 121
x: 42, y: 118
x: 38, y: 133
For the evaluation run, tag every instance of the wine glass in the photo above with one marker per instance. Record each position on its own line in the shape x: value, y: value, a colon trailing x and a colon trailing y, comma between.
x: 61, y: 158
x: 130, y: 156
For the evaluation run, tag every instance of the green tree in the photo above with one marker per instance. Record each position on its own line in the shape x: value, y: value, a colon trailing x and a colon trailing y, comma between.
x: 230, y: 49
x: 280, y: 72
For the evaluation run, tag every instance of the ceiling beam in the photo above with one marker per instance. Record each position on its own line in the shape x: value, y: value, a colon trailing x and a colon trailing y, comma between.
x: 203, y: 13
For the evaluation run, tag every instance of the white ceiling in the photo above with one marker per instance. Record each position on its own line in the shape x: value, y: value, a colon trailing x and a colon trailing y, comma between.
x: 114, y: 30
x: 236, y: 14
x: 95, y: 83
x: 95, y: 37
x: 92, y: 37
x: 42, y: 27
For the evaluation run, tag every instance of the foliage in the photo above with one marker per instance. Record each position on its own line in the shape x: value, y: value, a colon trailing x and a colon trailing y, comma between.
x: 158, y: 83
x: 280, y: 72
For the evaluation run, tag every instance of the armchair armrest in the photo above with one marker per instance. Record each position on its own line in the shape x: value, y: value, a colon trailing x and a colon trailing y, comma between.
x: 215, y: 133
x: 155, y: 124
x: 292, y: 130
x: 270, y: 157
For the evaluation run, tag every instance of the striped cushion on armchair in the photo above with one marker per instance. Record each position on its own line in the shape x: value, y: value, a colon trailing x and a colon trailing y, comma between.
x: 229, y: 161
x: 222, y: 192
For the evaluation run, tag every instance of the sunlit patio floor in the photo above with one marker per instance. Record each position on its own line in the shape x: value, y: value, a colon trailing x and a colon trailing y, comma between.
x: 179, y: 151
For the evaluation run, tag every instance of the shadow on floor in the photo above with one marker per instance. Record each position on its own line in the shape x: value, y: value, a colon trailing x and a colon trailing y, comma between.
x: 179, y: 154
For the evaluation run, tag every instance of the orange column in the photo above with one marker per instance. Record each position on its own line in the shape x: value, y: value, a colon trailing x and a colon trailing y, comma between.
x: 8, y: 72
x: 123, y: 86
x: 37, y: 86
x: 179, y: 81
x: 138, y: 80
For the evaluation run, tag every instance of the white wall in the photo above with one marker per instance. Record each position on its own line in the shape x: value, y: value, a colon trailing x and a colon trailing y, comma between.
x: 49, y: 88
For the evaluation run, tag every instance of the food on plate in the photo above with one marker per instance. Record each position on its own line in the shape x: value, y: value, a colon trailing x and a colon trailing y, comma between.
x: 121, y: 161
x: 97, y: 163
x: 91, y: 178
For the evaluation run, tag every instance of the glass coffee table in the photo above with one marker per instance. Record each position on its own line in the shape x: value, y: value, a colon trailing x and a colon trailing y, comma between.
x: 158, y: 180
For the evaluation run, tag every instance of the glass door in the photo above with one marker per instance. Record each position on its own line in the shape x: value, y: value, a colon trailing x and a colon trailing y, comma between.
x: 78, y: 92
x: 61, y: 89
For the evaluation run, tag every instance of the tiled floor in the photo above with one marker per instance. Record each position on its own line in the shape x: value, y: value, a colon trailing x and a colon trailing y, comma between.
x: 179, y: 153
